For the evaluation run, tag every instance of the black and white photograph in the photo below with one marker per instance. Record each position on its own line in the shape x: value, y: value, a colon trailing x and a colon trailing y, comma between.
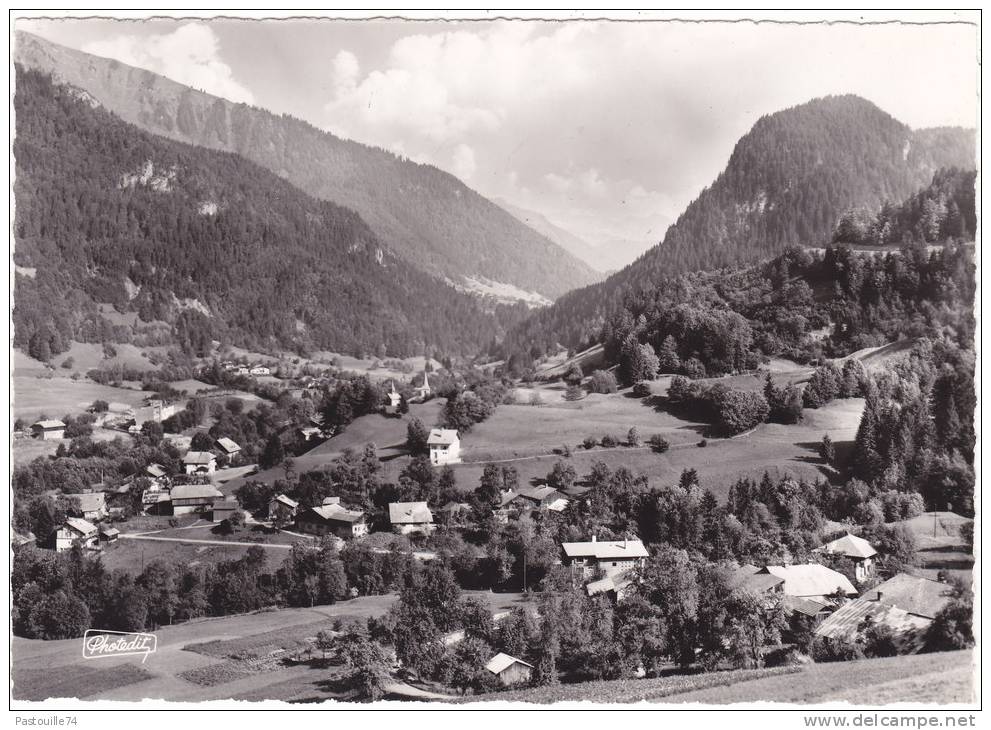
x: 466, y: 361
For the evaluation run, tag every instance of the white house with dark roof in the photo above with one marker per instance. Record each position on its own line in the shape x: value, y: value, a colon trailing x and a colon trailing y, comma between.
x: 92, y: 505
x: 445, y: 446
x: 332, y: 519
x: 48, y: 430
x: 509, y: 669
x: 282, y: 508
x: 199, y: 462
x: 410, y: 517
x: 857, y: 549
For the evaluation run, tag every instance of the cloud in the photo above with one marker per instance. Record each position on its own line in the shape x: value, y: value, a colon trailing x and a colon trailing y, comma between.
x: 190, y: 55
x: 464, y: 164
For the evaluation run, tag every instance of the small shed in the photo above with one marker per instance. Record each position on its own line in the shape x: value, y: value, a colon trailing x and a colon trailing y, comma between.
x: 509, y: 669
x: 228, y: 446
x: 109, y: 534
x: 223, y: 509
x: 50, y: 430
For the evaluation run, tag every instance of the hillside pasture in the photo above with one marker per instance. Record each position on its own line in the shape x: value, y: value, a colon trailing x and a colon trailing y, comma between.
x: 941, y: 545
x: 58, y: 396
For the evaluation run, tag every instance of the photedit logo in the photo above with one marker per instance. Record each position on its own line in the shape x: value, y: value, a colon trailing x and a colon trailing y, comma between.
x: 98, y: 643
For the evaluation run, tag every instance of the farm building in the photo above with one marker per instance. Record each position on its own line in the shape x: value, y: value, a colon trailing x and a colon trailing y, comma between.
x: 222, y: 510
x: 445, y: 446
x: 410, y: 517
x: 189, y: 498
x: 596, y: 559
x: 811, y: 581
x: 917, y: 596
x: 282, y: 508
x: 332, y: 519
x: 752, y: 579
x: 156, y: 471
x: 50, y: 430
x: 199, y: 462
x: 857, y: 549
x: 92, y: 505
x: 228, y: 446
x: 109, y: 534
x: 509, y: 669
x: 544, y: 498
x: 75, y: 531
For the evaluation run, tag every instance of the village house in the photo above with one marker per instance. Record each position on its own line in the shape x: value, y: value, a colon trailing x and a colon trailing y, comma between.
x: 856, y: 549
x: 109, y: 534
x: 603, y: 558
x: 544, y: 498
x: 189, y: 498
x: 92, y: 505
x: 445, y: 446
x: 199, y: 462
x: 509, y: 669
x: 332, y: 519
x: 50, y: 430
x: 409, y: 517
x: 507, y: 507
x: 282, y: 509
x: 75, y: 531
x: 228, y: 447
x: 811, y: 581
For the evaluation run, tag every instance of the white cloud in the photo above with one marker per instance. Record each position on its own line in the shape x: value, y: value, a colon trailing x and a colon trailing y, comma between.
x: 464, y: 164
x: 190, y: 55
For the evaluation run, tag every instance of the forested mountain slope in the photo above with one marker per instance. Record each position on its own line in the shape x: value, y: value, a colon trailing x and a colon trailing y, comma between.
x: 422, y: 213
x: 788, y: 182
x: 206, y: 241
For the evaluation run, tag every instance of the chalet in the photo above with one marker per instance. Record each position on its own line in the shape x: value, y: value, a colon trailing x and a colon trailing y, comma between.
x: 811, y: 581
x: 858, y: 550
x: 228, y: 446
x: 189, y: 498
x: 597, y: 559
x: 332, y: 519
x: 75, y: 531
x: 199, y: 462
x: 156, y: 471
x: 51, y: 430
x: 410, y: 517
x: 222, y: 510
x: 282, y: 508
x: 509, y: 669
x: 92, y: 505
x: 905, y: 604
x: 544, y: 498
x: 445, y: 446
x: 109, y: 534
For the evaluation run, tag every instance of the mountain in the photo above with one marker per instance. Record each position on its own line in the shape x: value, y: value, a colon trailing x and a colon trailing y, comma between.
x: 788, y: 182
x: 565, y: 239
x: 422, y: 213
x: 203, y: 245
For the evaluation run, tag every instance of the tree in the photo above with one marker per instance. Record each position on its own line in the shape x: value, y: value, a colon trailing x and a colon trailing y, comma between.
x: 603, y: 381
x: 58, y: 615
x: 489, y: 488
x: 754, y: 621
x: 953, y: 627
x: 369, y: 669
x: 637, y: 362
x: 274, y: 453
x: 741, y: 410
x: 562, y: 476
x: 633, y: 437
x: 201, y: 441
x: 827, y: 450
x: 667, y: 357
x: 416, y: 436
x: 823, y: 386
x: 658, y: 443
x: 574, y: 375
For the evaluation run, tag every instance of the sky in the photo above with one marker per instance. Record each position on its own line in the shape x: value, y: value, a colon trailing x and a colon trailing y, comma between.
x: 609, y: 129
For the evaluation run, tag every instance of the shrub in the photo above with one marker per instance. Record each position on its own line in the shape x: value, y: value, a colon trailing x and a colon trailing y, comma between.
x: 602, y: 382
x: 590, y: 443
x: 658, y: 443
x: 633, y: 437
x: 703, y: 443
x: 642, y: 389
x: 609, y: 441
x: 573, y: 393
x: 741, y: 410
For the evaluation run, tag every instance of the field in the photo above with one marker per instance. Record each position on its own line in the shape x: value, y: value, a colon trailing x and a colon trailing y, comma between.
x: 200, y: 660
x: 58, y: 396
x: 940, y: 544
x: 933, y: 678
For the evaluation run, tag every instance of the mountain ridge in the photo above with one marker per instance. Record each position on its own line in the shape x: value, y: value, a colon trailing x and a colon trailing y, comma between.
x: 422, y: 213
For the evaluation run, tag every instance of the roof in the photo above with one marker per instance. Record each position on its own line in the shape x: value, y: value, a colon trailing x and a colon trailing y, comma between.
x: 228, y: 445
x: 91, y: 501
x: 919, y: 596
x: 442, y: 437
x: 48, y: 424
x: 79, y: 525
x: 615, y: 583
x: 195, y: 491
x: 803, y: 606
x: 225, y: 505
x: 453, y: 506
x: 198, y: 457
x: 851, y: 546
x: 507, y: 497
x: 337, y: 513
x: 605, y: 549
x: 558, y: 505
x: 540, y: 494
x: 409, y: 513
x: 156, y: 470
x: 845, y: 621
x: 109, y: 531
x: 811, y: 579
x: 500, y: 662
x: 750, y: 578
x: 287, y: 501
